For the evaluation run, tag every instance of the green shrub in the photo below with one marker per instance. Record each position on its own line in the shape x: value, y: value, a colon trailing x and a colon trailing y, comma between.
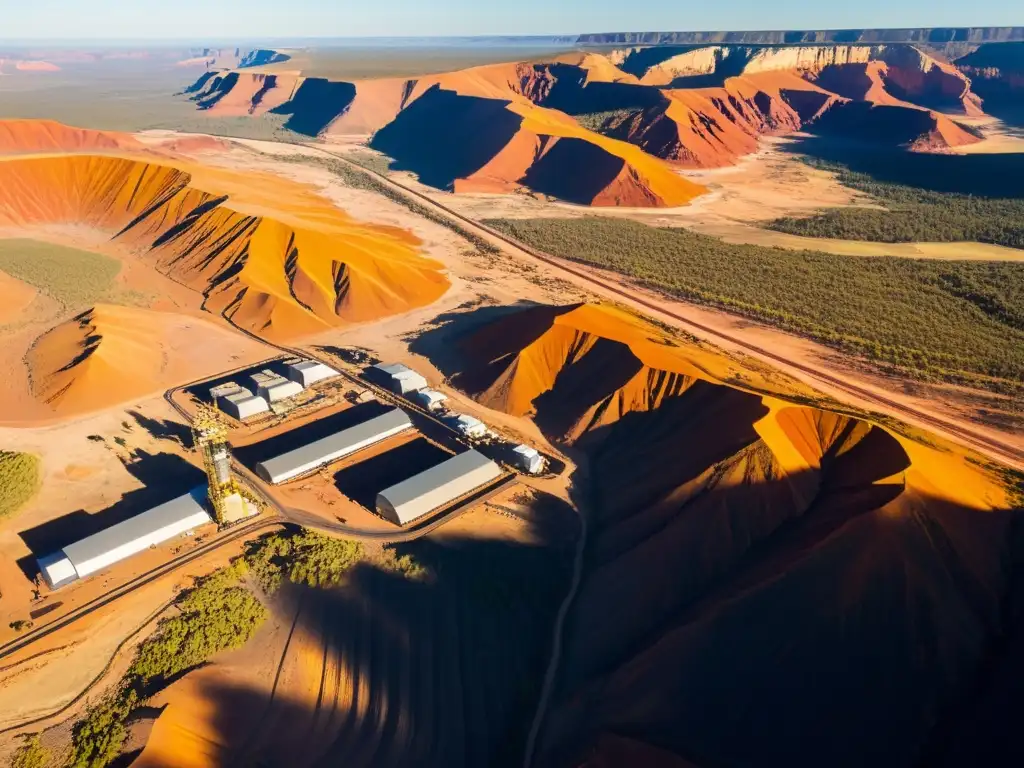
x: 98, y: 738
x: 303, y: 558
x: 216, y: 615
x: 31, y: 754
x: 316, y: 560
x: 72, y: 277
x: 19, y: 480
x: 956, y: 320
x: 911, y: 214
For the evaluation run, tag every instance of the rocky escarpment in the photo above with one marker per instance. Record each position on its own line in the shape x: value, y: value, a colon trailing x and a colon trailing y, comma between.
x: 935, y: 35
x: 996, y: 73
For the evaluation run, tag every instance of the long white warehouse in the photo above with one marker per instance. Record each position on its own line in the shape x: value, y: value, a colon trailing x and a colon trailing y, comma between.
x: 333, y: 447
x: 127, y: 538
x: 437, y: 486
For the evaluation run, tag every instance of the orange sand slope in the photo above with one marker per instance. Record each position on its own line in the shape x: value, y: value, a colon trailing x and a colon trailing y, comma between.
x: 753, y: 562
x: 112, y: 354
x: 25, y: 136
x: 269, y: 255
x: 15, y: 296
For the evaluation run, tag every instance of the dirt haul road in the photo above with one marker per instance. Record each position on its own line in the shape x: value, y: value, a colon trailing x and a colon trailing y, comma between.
x: 672, y: 312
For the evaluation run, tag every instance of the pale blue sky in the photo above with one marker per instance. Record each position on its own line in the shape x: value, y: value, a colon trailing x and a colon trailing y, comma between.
x: 238, y: 19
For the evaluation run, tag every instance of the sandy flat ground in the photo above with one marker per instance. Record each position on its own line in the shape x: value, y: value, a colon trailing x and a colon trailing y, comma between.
x: 83, y: 475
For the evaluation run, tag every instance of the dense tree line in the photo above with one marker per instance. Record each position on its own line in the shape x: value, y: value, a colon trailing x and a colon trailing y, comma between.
x: 310, y: 558
x: 911, y: 214
x: 955, y: 320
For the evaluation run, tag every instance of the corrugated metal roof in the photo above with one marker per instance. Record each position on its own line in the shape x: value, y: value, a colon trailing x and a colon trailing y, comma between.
x: 393, y: 369
x: 333, y: 447
x: 188, y: 509
x: 437, y: 486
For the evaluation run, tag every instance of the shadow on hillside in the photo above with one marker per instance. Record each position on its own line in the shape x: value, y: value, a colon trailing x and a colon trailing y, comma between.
x: 436, y: 672
x: 992, y: 175
x: 442, y: 342
x: 443, y: 136
x: 730, y: 615
x: 315, y: 105
x: 164, y: 476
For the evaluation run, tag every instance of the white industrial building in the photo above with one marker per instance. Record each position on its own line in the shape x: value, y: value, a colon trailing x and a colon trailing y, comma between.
x: 436, y: 487
x: 528, y: 459
x: 273, y: 387
x: 121, y: 541
x: 430, y: 399
x: 398, y: 378
x: 242, y: 404
x: 309, y: 372
x: 333, y: 447
x: 469, y: 426
x: 224, y: 390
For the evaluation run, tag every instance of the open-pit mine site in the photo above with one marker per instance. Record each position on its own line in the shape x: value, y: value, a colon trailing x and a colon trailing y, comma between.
x: 565, y: 401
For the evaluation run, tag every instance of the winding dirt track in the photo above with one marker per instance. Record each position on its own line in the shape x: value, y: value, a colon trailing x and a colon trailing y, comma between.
x: 956, y: 431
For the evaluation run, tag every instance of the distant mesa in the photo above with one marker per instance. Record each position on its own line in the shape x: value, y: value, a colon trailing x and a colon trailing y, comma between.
x: 723, y: 504
x: 933, y: 35
x: 232, y: 58
x: 27, y: 65
x: 504, y: 127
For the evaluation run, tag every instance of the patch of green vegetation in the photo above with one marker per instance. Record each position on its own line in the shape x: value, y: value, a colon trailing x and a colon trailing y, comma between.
x: 266, y: 127
x: 911, y: 214
x: 72, y: 277
x: 602, y: 121
x: 371, y: 161
x: 19, y: 480
x: 952, y: 320
x: 31, y: 754
x: 310, y: 558
x: 217, y: 614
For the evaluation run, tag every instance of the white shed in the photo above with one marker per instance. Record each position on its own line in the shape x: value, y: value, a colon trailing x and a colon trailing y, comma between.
x: 243, y: 404
x: 430, y: 399
x: 127, y: 538
x: 469, y: 426
x: 225, y: 390
x: 528, y: 459
x: 273, y: 387
x: 57, y: 570
x: 398, y: 378
x: 333, y: 447
x: 436, y: 487
x: 309, y: 372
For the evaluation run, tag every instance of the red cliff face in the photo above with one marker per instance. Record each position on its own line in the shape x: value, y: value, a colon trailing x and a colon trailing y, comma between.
x: 693, y: 108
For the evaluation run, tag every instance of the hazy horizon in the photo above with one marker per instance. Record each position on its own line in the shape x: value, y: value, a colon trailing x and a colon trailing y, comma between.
x: 150, y: 21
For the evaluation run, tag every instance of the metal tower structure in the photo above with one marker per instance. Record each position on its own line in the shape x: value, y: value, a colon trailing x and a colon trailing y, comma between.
x: 211, y: 439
